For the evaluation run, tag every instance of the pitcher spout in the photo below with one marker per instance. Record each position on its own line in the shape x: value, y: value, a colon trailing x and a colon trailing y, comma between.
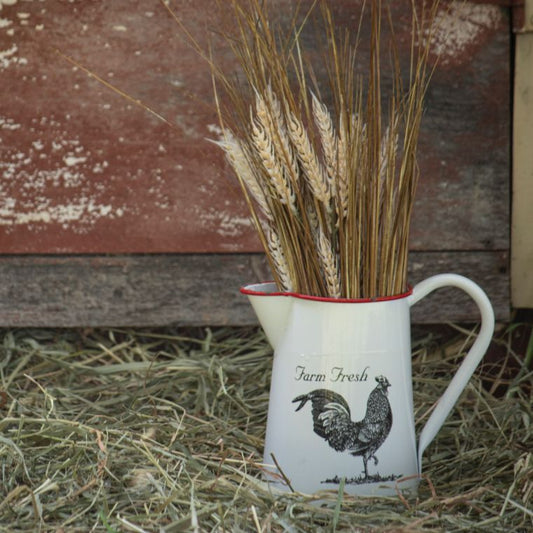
x: 271, y: 308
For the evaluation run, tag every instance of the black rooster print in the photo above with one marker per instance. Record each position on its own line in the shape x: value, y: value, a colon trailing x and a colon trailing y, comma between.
x: 332, y: 421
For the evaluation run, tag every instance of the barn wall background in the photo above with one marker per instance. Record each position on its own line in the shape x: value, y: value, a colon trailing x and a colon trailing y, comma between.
x: 111, y: 216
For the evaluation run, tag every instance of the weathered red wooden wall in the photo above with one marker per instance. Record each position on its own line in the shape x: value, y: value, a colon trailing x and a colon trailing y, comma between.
x: 86, y: 171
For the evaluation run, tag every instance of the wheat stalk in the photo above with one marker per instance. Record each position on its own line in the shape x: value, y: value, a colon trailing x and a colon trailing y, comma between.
x: 328, y: 259
x: 273, y: 165
x: 329, y: 141
x: 236, y: 157
x: 270, y: 115
x: 281, y: 266
x: 312, y: 169
x: 343, y: 157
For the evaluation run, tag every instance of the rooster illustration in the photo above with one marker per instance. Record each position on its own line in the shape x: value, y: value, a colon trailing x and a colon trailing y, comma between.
x: 332, y: 421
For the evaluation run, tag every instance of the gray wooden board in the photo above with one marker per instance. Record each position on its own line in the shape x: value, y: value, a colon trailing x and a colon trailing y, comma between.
x: 200, y: 289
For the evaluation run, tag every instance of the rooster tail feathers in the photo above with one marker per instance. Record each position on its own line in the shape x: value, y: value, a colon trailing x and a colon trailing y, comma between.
x: 320, y: 399
x: 302, y: 399
x: 331, y: 415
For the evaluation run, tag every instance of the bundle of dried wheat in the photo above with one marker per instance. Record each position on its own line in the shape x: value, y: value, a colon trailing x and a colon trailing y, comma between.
x: 331, y: 191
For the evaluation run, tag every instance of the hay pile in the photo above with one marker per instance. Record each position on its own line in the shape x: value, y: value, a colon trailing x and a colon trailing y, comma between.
x: 156, y: 431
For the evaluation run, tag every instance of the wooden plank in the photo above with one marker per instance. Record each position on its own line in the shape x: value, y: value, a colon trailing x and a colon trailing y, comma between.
x: 158, y: 290
x: 82, y: 170
x: 522, y: 220
x: 465, y: 144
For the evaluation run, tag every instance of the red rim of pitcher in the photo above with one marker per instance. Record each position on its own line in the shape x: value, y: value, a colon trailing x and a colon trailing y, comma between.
x: 251, y: 292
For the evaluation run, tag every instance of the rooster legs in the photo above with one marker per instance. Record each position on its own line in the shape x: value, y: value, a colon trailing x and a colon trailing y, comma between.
x: 365, y: 463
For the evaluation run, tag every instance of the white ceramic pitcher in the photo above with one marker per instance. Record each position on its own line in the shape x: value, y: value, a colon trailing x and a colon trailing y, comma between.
x: 341, y: 402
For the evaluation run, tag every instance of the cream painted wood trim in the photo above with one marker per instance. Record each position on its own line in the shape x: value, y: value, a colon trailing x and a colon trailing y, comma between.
x: 522, y: 209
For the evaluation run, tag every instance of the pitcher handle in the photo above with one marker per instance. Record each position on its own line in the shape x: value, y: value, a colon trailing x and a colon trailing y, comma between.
x: 470, y: 362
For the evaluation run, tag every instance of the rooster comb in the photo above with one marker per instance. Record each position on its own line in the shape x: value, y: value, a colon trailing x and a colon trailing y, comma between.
x: 382, y: 380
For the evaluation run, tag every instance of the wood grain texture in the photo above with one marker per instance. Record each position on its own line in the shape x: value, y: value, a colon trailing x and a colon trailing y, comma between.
x: 522, y: 220
x: 83, y: 170
x: 194, y: 289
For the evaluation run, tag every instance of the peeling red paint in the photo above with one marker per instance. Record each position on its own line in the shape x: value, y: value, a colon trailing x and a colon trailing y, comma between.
x: 84, y: 170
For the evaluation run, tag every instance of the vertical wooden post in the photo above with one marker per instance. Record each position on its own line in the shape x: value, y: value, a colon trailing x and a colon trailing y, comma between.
x: 522, y: 209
